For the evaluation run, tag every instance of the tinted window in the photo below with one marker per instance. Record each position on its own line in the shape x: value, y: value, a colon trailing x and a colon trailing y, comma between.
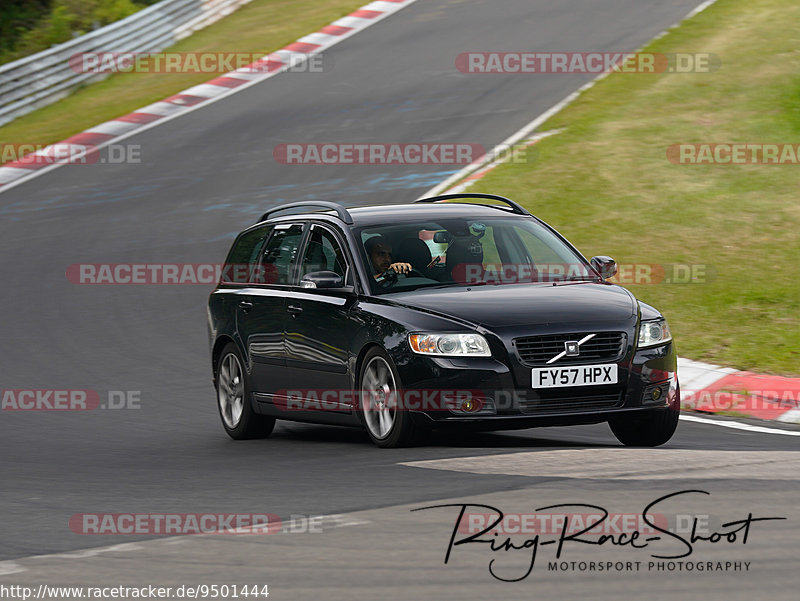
x: 244, y: 255
x: 279, y: 254
x: 323, y: 253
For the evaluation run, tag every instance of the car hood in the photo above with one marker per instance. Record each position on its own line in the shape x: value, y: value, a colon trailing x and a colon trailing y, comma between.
x: 497, y: 307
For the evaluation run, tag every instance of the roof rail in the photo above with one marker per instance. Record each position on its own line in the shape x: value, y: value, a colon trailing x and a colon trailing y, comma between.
x: 515, y: 208
x: 341, y: 212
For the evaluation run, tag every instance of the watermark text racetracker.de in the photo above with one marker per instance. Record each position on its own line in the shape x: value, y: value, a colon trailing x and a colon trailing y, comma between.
x: 168, y: 273
x: 774, y: 399
x: 51, y: 399
x: 197, y: 62
x: 389, y: 153
x: 39, y: 155
x: 738, y: 153
x: 627, y: 273
x: 586, y: 62
x: 210, y: 523
x: 589, y: 523
x: 439, y: 400
x: 463, y: 400
x: 399, y: 153
x: 174, y: 524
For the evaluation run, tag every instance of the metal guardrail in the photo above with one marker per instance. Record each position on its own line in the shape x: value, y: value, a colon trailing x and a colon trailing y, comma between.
x: 45, y: 77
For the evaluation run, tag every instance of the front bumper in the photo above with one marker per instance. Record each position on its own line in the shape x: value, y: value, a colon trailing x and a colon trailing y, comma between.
x: 647, y: 380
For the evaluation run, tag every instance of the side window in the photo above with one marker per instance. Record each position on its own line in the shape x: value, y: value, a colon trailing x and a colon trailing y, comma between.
x: 323, y: 253
x: 244, y: 255
x: 279, y: 254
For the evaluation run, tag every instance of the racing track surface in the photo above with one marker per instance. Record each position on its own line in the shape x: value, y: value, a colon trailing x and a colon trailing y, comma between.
x: 203, y: 177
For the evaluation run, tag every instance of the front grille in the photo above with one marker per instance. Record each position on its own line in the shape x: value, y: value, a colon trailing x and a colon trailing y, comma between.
x: 575, y: 402
x: 603, y: 347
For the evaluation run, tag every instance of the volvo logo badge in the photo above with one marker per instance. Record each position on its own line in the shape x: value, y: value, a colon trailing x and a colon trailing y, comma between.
x: 572, y: 348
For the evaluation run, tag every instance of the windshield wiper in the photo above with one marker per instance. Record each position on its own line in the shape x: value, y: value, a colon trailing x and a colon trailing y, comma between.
x: 577, y: 280
x: 451, y: 285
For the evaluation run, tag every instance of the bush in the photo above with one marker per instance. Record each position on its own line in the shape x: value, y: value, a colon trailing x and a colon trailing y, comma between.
x: 28, y: 27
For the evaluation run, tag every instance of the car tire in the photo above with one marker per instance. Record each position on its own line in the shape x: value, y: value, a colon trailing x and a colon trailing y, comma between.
x: 236, y: 411
x: 388, y: 425
x: 648, y: 428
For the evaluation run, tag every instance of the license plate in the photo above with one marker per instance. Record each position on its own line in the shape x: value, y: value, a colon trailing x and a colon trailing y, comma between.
x: 582, y: 375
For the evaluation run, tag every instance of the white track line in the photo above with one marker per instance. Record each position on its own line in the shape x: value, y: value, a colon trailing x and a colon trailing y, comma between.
x: 739, y: 426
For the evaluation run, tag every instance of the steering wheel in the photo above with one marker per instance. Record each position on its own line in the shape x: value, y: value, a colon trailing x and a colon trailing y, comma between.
x: 389, y: 277
x: 386, y: 279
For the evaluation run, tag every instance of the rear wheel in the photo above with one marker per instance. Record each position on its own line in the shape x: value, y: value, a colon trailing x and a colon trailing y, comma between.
x: 239, y: 419
x: 647, y: 428
x: 387, y: 422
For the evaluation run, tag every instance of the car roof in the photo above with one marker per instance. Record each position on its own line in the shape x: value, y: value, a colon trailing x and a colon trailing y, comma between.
x: 380, y: 214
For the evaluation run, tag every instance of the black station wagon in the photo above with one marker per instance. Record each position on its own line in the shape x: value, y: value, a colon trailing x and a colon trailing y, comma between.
x: 458, y: 311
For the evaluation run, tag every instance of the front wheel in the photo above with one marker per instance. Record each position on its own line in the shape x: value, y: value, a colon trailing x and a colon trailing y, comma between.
x: 388, y: 423
x: 239, y: 419
x: 648, y: 428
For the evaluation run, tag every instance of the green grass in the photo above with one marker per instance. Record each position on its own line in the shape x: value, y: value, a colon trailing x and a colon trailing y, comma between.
x: 261, y: 26
x: 606, y: 184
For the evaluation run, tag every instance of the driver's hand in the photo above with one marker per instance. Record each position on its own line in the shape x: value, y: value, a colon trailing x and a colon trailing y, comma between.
x: 400, y: 267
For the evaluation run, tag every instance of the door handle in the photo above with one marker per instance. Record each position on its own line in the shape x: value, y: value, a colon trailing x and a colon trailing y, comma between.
x: 245, y: 306
x: 294, y: 310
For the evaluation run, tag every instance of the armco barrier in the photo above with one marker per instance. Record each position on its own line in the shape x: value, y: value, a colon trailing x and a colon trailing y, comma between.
x: 45, y: 77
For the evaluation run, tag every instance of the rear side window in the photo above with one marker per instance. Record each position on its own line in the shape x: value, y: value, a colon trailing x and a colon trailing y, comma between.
x: 279, y: 254
x: 244, y: 255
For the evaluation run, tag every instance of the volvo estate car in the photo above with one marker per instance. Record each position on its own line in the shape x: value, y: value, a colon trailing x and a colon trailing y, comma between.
x: 457, y: 311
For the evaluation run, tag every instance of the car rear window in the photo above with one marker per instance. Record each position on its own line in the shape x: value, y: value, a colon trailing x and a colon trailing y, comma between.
x: 243, y: 256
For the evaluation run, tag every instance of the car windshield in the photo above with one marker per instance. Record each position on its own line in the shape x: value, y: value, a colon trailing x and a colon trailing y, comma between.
x: 467, y: 252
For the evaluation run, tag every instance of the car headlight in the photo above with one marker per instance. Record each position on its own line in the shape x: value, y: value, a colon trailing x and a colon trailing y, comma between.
x: 653, y: 332
x: 449, y: 345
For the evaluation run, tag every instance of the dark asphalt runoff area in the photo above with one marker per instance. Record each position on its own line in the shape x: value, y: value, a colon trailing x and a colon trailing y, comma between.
x: 202, y: 178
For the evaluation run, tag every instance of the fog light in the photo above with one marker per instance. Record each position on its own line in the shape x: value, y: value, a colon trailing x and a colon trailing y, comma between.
x: 475, y: 405
x: 655, y: 393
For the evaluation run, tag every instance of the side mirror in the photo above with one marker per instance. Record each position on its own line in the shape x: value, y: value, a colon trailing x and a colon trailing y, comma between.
x: 322, y: 279
x: 605, y: 266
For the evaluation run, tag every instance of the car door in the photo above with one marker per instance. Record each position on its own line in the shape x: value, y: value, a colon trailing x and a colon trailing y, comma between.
x: 261, y: 312
x: 320, y: 322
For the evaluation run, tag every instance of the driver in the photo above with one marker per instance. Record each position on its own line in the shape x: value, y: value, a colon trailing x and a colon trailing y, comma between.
x: 380, y: 255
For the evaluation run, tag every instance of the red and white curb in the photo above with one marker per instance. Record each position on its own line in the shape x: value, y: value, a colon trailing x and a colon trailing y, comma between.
x: 19, y: 171
x: 712, y: 389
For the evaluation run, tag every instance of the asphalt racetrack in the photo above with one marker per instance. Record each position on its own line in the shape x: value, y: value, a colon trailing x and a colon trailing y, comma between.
x: 206, y: 175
